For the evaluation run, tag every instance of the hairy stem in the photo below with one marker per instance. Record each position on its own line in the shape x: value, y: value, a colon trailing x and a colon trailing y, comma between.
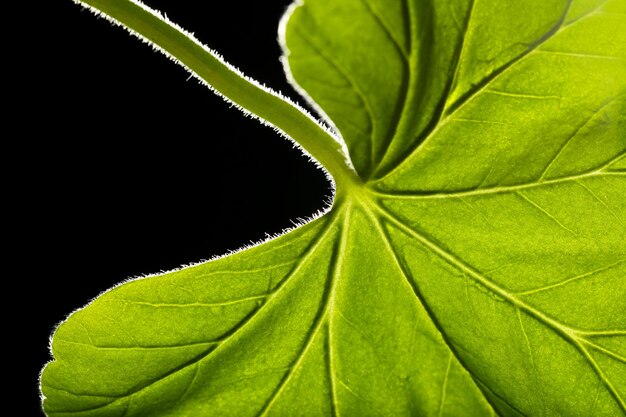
x: 225, y: 80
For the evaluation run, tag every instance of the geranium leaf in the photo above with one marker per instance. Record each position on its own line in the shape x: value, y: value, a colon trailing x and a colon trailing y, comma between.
x: 473, y: 262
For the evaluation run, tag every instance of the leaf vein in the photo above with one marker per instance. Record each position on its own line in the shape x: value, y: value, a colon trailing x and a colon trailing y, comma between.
x: 567, y: 333
x: 361, y: 398
x: 601, y: 374
x: 604, y: 350
x: 601, y: 202
x: 139, y: 347
x: 571, y: 137
x: 520, y: 95
x: 488, y: 80
x: 459, y: 56
x: 385, y: 28
x: 444, y: 386
x: 545, y: 212
x: 420, y: 301
x: 332, y: 372
x: 531, y: 356
x: 412, y: 195
x: 317, y: 324
x: 344, y: 74
x: 187, y: 305
x: 579, y: 54
x: 571, y: 279
x: 203, y: 355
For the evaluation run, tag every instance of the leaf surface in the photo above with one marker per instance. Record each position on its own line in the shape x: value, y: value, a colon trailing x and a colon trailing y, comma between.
x: 477, y: 267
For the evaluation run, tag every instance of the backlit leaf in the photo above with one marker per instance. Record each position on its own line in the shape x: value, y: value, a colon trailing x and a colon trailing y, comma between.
x: 474, y: 265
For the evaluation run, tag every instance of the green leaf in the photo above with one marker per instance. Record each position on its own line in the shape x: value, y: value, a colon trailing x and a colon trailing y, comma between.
x: 475, y: 263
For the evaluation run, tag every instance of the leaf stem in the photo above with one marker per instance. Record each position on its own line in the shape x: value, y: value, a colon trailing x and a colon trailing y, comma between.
x: 252, y: 98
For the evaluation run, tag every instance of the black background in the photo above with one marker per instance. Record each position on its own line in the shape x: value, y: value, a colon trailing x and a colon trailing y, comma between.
x: 128, y: 167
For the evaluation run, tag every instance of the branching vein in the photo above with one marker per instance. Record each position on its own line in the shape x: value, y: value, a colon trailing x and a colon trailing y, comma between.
x: 544, y: 211
x: 572, y: 279
x: 567, y: 333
